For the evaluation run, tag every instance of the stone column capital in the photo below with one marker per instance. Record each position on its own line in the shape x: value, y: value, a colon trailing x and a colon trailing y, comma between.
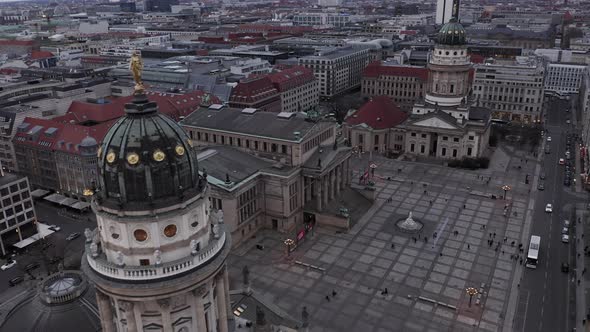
x: 200, y: 291
x: 164, y: 303
x: 126, y: 305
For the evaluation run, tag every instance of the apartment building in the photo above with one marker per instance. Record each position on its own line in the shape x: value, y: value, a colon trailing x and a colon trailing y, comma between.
x: 564, y: 78
x: 256, y: 93
x: 298, y: 88
x: 512, y: 89
x: 318, y: 19
x: 337, y: 69
x: 404, y: 84
x: 17, y: 213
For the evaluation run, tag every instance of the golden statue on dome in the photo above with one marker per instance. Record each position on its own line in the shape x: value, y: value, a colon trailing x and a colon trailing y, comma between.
x: 136, y: 66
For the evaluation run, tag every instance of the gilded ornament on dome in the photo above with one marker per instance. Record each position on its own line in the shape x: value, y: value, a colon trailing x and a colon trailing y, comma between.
x: 159, y: 155
x: 136, y: 66
x: 189, y: 142
x: 179, y: 150
x: 132, y: 158
x: 111, y: 157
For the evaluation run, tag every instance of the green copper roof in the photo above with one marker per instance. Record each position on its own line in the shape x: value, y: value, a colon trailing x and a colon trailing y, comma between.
x: 452, y: 33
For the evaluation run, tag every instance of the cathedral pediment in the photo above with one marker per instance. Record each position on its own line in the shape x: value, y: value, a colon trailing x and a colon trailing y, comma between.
x: 435, y: 122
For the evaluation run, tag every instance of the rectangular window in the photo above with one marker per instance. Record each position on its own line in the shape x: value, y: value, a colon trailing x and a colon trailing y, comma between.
x: 412, y: 147
x: 423, y: 135
x: 471, y: 138
x: 144, y: 262
x: 469, y: 150
x: 445, y: 138
x: 283, y: 149
x: 413, y: 134
x: 422, y: 148
x: 214, y: 138
x: 454, y: 153
x: 444, y: 152
x: 455, y: 139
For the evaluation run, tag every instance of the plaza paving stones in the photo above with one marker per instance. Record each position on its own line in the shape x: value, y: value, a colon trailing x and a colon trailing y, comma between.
x: 375, y: 255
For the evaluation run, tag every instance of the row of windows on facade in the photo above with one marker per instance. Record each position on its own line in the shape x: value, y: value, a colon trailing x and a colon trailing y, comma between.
x: 13, y: 188
x: 13, y: 221
x: 502, y: 89
x: 504, y: 83
x: 397, y: 85
x: 312, y: 143
x: 444, y: 138
x: 443, y: 150
x: 396, y: 93
x: 15, y: 209
x: 229, y: 140
x: 513, y: 100
x: 512, y: 107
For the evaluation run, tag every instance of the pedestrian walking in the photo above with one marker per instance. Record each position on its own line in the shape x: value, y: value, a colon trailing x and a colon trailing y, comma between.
x: 484, y: 226
x: 464, y: 206
x: 468, y: 246
x: 334, y: 293
x: 494, y: 235
x: 441, y: 254
x: 328, y: 298
x: 392, y: 246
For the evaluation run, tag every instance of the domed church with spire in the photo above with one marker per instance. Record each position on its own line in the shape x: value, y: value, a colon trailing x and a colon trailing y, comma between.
x: 158, y: 257
x: 448, y: 123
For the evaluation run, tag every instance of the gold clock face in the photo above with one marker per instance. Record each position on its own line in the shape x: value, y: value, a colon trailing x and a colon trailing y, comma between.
x: 159, y: 155
x: 179, y: 150
x: 111, y: 157
x: 132, y: 158
x: 99, y: 153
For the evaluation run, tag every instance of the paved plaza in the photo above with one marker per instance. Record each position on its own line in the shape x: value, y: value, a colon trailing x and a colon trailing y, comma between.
x: 425, y: 274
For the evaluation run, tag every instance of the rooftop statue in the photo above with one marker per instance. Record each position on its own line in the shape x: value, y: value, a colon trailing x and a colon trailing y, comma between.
x: 136, y: 66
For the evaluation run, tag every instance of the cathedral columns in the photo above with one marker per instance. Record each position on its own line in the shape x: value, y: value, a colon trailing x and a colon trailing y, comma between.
x: 129, y: 315
x: 199, y: 309
x: 165, y: 310
x: 230, y: 314
x: 221, y: 304
x: 318, y: 185
x: 106, y: 312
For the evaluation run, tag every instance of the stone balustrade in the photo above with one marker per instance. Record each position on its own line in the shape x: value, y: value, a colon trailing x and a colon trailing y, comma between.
x: 151, y: 272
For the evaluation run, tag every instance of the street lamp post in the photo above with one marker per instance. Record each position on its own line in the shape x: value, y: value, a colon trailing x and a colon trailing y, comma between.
x: 471, y: 291
x: 289, y: 243
x: 506, y: 189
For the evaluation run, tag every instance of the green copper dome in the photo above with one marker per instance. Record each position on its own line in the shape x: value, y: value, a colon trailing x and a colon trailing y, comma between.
x: 452, y: 33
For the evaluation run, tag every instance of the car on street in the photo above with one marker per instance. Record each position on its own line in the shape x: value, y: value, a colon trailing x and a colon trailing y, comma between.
x: 55, y: 228
x: 31, y: 266
x: 8, y: 265
x: 548, y: 138
x: 561, y: 161
x: 565, y: 267
x: 541, y: 186
x: 549, y: 208
x: 567, y: 121
x: 72, y: 236
x: 567, y: 182
x: 547, y: 150
x: 542, y: 176
x: 565, y: 238
x: 15, y: 281
x: 566, y: 223
x: 565, y: 230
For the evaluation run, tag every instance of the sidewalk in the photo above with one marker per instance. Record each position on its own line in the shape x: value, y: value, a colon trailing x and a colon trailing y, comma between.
x: 582, y: 289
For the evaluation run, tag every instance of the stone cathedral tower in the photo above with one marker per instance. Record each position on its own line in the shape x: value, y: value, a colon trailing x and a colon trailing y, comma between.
x: 157, y: 260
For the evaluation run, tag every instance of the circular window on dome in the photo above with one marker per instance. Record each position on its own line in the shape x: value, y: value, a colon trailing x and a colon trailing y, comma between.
x: 194, y: 224
x: 140, y: 235
x: 447, y: 53
x: 454, y: 53
x: 111, y: 157
x: 159, y: 155
x: 170, y: 230
x: 179, y: 150
x: 132, y: 158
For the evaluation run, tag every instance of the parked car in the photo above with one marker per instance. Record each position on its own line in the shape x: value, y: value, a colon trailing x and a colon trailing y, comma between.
x: 8, y: 265
x: 565, y: 267
x: 549, y: 208
x: 72, y: 236
x: 15, y: 281
x: 31, y: 266
x: 54, y: 228
x: 542, y: 176
x: 561, y: 161
x: 565, y: 238
x: 565, y: 230
x: 548, y: 138
x: 541, y: 186
x: 566, y: 223
x: 567, y: 121
x: 567, y: 182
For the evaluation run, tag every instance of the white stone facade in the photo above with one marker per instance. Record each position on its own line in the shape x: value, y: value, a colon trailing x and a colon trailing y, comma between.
x: 512, y: 89
x: 564, y: 78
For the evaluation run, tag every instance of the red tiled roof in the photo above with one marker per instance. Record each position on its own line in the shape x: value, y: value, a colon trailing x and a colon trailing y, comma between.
x: 70, y: 129
x: 36, y: 55
x: 378, y: 113
x: 376, y: 69
x: 66, y: 137
x: 289, y: 78
x: 252, y: 90
x: 476, y: 58
x: 172, y: 105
